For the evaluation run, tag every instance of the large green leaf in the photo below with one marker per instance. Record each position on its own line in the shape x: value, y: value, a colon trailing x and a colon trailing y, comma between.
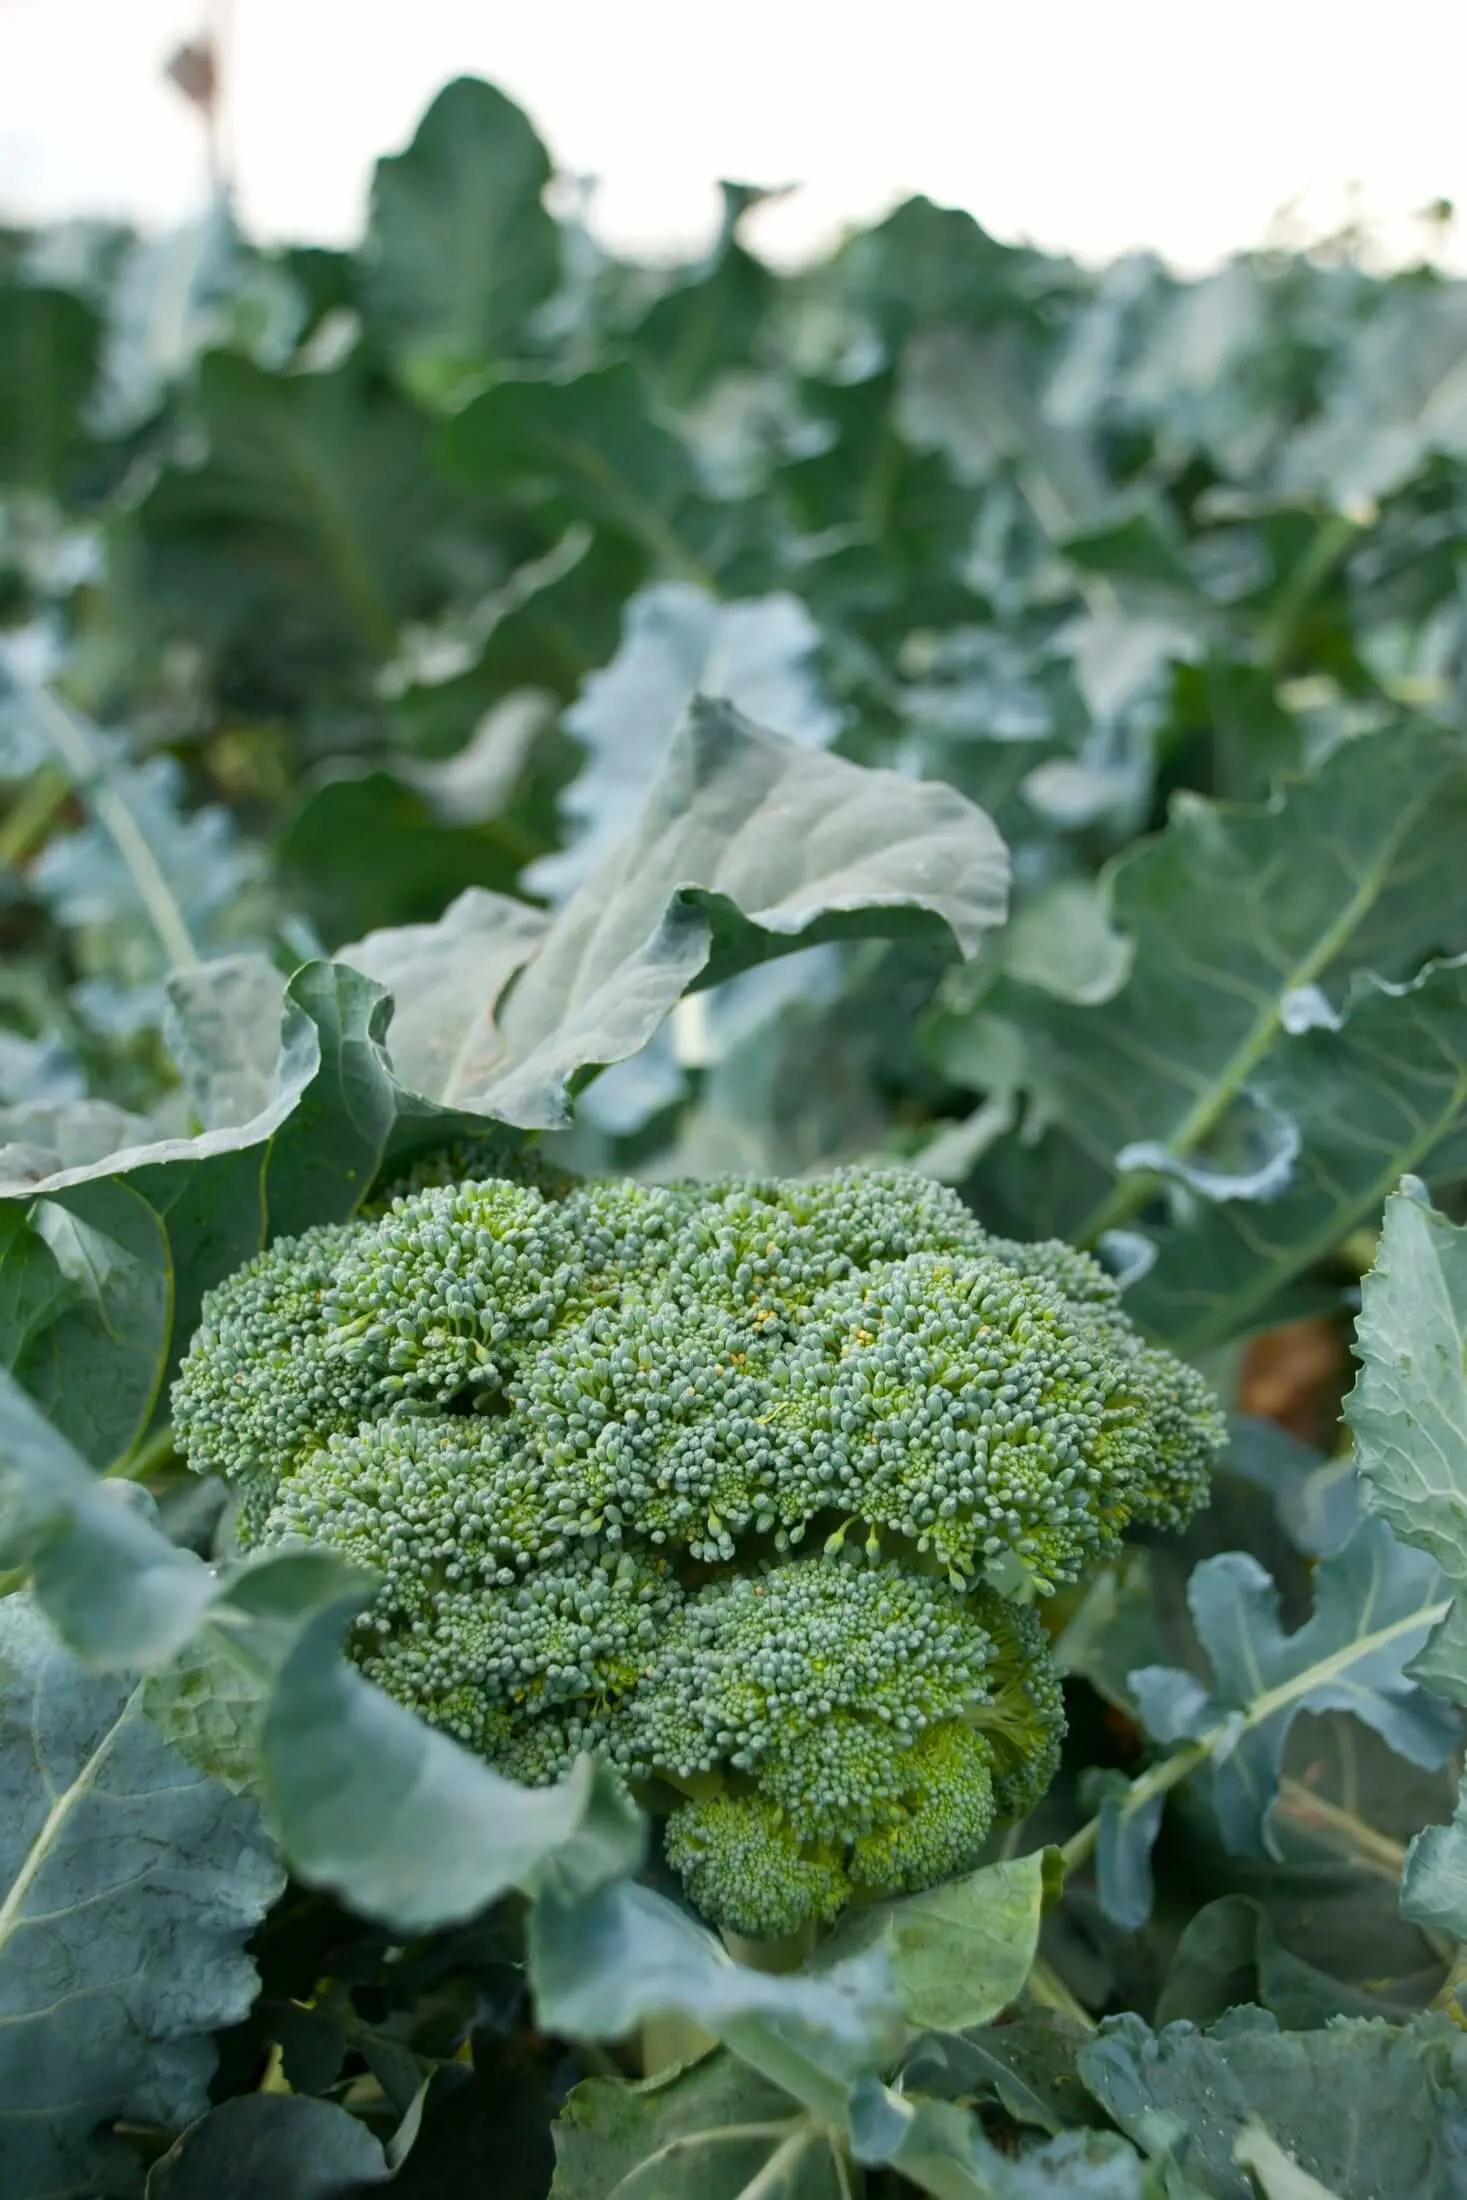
x: 114, y: 1851
x: 678, y: 642
x: 1376, y: 1603
x: 1408, y: 1411
x: 404, y: 1824
x: 459, y: 247
x: 141, y: 884
x: 717, y: 2122
x: 314, y: 527
x: 1373, y: 2111
x: 961, y: 1952
x: 1248, y: 924
x: 446, y: 980
x: 603, y: 1964
x: 144, y: 1233
x: 222, y: 1028
x: 269, y: 2146
x: 1384, y: 1094
x: 1397, y: 395
x: 587, y: 448
x: 48, y: 361
x: 119, y: 1592
x: 747, y: 846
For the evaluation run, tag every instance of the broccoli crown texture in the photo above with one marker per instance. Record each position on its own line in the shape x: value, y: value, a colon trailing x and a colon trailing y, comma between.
x: 744, y: 1485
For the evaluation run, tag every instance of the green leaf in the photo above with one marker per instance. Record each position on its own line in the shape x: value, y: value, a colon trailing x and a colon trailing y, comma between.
x: 1383, y: 1095
x: 1248, y: 924
x: 317, y: 521
x: 118, y: 1592
x: 1373, y: 2111
x: 222, y: 1028
x: 1026, y: 2066
x: 1277, y: 2174
x: 144, y: 1233
x: 678, y: 642
x: 1375, y: 1604
x: 1397, y: 395
x: 1230, y: 1953
x: 941, y: 2148
x: 154, y: 884
x: 400, y: 1821
x: 446, y: 980
x: 269, y: 2146
x: 1408, y: 1412
x: 366, y: 849
x: 459, y: 248
x: 715, y: 2125
x: 593, y: 443
x: 111, y: 1849
x: 1062, y: 942
x: 748, y: 846
x: 48, y: 362
x: 961, y: 1952
x: 600, y: 1966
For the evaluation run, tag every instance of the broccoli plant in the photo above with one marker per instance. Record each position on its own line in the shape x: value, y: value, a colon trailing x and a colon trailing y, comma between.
x: 747, y: 1487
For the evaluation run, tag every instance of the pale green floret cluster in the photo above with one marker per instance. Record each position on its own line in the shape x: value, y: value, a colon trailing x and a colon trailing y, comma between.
x: 721, y: 1481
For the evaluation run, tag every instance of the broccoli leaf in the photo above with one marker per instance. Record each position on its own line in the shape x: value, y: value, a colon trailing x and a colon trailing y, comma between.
x: 678, y: 642
x: 1374, y: 2111
x: 117, y: 1590
x: 110, y: 1849
x: 445, y: 980
x: 1375, y: 1603
x: 602, y: 1964
x: 1385, y: 1093
x: 961, y: 1951
x: 1408, y: 1411
x: 316, y: 525
x: 1248, y: 924
x: 717, y: 2121
x: 269, y: 2146
x: 459, y: 247
x: 942, y: 2149
x: 222, y: 1027
x: 593, y: 439
x: 48, y: 364
x: 404, y: 1824
x: 144, y: 1233
x: 747, y: 846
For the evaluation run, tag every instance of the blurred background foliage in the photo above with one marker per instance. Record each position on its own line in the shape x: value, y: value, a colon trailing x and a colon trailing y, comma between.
x: 334, y: 582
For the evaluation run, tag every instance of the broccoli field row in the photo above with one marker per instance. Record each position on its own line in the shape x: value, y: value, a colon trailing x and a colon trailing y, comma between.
x: 723, y: 995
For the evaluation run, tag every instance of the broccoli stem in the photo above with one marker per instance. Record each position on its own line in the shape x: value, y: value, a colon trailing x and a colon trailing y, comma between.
x: 665, y: 2041
x: 791, y: 1952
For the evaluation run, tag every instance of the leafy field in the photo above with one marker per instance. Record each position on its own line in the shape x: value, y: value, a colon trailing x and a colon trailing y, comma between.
x: 943, y: 708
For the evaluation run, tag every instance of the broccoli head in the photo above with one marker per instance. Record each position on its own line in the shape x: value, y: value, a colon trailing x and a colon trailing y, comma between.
x: 746, y: 1486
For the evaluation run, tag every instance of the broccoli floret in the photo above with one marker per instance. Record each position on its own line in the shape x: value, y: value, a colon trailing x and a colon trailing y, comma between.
x: 723, y: 1482
x: 468, y: 1161
x: 258, y: 1385
x: 745, y: 1866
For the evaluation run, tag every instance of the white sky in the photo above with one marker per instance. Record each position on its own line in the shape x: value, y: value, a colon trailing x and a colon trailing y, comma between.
x: 1088, y: 125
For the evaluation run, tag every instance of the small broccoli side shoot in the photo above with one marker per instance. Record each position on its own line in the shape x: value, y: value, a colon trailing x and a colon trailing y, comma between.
x: 749, y: 1487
